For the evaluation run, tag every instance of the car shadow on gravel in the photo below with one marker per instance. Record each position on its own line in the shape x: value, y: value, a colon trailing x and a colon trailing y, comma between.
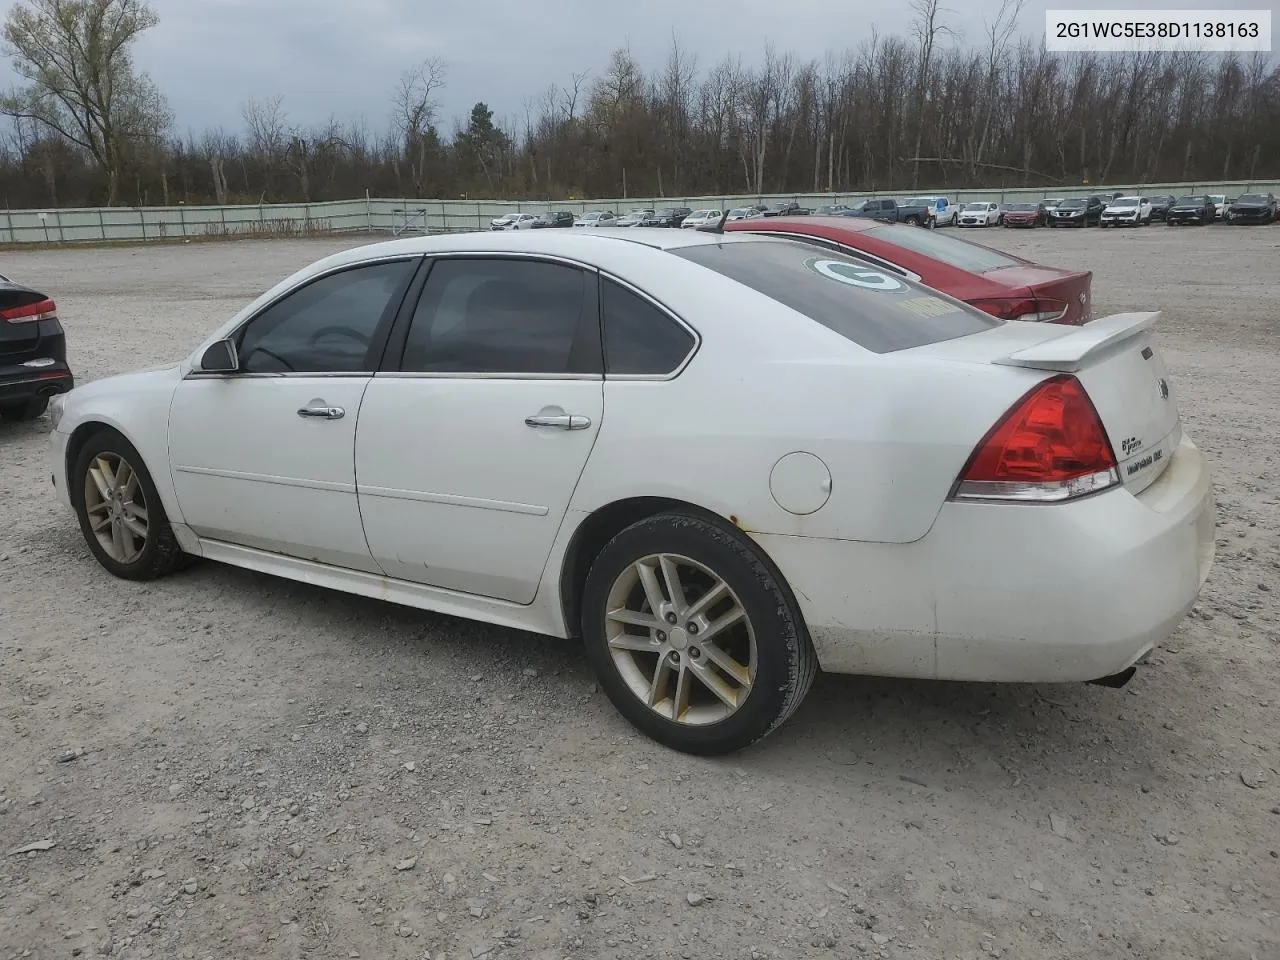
x: 24, y: 431
x: 917, y: 730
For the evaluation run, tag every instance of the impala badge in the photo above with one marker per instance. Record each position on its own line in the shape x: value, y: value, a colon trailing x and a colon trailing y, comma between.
x: 1164, y: 389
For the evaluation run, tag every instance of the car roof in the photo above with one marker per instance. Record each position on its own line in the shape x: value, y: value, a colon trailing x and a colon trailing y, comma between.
x: 572, y: 244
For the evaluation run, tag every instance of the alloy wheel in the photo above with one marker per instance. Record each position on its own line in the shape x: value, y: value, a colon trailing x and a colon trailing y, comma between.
x: 681, y: 639
x: 116, y: 507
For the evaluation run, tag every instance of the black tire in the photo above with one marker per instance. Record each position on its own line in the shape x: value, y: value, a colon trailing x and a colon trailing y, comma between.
x: 160, y: 554
x: 26, y: 410
x: 785, y: 659
x: 914, y: 221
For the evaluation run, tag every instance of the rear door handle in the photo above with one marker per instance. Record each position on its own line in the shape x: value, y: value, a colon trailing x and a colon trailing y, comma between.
x: 320, y: 410
x: 562, y: 422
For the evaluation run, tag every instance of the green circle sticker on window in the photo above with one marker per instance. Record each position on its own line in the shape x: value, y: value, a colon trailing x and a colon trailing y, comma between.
x: 854, y: 275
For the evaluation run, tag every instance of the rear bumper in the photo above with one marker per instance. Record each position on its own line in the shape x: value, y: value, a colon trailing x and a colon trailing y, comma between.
x: 19, y: 383
x: 1014, y: 593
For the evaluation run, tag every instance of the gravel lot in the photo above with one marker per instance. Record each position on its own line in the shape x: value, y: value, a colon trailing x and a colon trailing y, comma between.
x: 267, y: 770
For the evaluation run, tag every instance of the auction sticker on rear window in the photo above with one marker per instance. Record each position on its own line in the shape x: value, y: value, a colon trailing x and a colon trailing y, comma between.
x: 854, y: 275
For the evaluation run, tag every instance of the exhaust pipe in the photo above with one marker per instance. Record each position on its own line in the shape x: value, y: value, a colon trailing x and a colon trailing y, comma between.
x: 1116, y: 680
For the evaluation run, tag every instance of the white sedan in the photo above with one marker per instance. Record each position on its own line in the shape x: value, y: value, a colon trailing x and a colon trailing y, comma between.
x: 723, y: 460
x: 513, y: 221
x: 980, y: 215
x: 596, y: 218
x: 701, y: 218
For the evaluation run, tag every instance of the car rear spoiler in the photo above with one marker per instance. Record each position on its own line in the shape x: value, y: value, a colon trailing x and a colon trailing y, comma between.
x: 1068, y: 353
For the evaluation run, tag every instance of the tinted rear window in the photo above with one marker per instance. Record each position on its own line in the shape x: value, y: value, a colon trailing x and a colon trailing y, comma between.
x: 950, y: 250
x: 874, y: 309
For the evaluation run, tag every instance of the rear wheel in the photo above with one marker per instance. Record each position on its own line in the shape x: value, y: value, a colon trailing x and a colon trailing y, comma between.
x: 121, y: 516
x: 693, y: 636
x: 914, y: 221
x: 26, y: 410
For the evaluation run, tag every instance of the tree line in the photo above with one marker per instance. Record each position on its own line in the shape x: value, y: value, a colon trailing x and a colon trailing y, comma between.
x: 86, y: 127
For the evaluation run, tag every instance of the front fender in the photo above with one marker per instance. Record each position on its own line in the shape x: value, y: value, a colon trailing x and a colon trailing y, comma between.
x: 136, y: 406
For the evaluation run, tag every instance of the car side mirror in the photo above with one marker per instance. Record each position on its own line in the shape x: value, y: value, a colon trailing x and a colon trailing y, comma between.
x: 221, y: 357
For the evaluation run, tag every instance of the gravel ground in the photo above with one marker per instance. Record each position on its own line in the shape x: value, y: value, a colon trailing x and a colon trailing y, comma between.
x: 264, y: 769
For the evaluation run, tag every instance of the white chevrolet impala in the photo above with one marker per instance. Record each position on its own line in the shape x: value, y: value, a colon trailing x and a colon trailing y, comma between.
x: 723, y: 461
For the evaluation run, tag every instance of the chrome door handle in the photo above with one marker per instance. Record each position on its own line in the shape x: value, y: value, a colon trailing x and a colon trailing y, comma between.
x: 319, y: 410
x: 564, y: 422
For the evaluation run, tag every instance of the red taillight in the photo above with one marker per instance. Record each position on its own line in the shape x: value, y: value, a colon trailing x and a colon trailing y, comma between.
x: 44, y: 309
x: 1034, y: 309
x: 1049, y: 447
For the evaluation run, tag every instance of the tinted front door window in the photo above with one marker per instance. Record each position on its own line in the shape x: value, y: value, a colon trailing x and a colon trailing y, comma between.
x: 328, y: 326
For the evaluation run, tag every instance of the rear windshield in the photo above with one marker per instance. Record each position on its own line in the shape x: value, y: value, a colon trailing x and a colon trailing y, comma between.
x: 950, y: 250
x: 871, y: 307
x: 1252, y: 198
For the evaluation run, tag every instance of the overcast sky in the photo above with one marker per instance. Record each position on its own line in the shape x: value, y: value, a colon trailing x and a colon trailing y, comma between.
x: 343, y: 57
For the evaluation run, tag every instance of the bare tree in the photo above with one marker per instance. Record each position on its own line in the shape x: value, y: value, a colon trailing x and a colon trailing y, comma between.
x: 414, y: 113
x: 81, y: 83
x: 999, y: 33
x: 927, y: 27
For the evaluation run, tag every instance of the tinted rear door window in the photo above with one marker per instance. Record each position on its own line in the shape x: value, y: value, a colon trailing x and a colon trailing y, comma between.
x: 870, y: 306
x: 481, y: 315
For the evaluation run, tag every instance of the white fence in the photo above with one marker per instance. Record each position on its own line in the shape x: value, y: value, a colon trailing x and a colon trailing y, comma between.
x: 383, y: 215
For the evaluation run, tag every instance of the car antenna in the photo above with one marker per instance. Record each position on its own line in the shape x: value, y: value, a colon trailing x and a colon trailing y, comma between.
x: 719, y: 227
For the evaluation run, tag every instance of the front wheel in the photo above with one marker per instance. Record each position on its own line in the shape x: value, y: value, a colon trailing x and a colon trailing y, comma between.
x: 120, y: 513
x: 693, y: 635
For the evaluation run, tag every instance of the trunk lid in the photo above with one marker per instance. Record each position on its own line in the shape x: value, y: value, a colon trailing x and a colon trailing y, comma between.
x: 1074, y: 288
x: 1120, y: 368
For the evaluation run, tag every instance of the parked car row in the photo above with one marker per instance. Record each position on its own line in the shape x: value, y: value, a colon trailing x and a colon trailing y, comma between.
x: 1114, y: 209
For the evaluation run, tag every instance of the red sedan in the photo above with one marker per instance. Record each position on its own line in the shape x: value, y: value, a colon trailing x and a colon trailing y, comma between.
x: 999, y: 283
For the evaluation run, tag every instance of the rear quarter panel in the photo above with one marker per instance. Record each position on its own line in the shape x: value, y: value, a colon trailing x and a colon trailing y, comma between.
x: 894, y: 430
